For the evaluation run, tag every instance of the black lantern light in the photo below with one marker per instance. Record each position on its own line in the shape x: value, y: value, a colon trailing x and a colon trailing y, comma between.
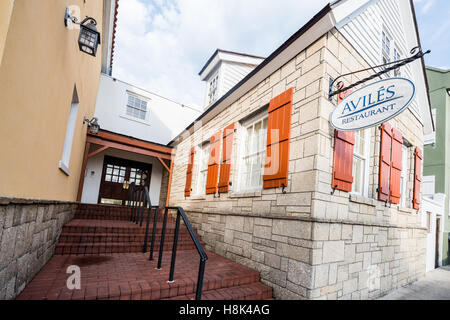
x: 93, y: 125
x: 89, y: 37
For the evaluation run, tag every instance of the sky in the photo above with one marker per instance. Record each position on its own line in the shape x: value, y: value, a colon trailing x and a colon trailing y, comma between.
x: 161, y: 45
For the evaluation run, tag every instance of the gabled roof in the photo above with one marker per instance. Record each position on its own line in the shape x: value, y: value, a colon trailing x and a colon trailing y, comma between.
x: 275, y: 60
x: 218, y: 51
x: 320, y: 24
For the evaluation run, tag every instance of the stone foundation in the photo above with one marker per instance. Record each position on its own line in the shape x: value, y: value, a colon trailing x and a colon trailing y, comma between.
x: 29, y: 231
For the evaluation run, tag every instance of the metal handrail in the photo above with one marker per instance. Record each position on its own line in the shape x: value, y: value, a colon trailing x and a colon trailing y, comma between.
x: 199, y: 247
x: 139, y: 200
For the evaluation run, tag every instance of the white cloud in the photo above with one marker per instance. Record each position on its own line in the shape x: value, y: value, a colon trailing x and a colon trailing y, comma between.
x: 161, y: 45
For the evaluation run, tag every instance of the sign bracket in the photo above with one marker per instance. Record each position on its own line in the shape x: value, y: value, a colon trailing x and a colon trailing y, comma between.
x: 416, y: 53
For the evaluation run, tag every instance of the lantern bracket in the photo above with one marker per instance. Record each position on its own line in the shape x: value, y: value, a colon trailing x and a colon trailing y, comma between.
x: 416, y: 53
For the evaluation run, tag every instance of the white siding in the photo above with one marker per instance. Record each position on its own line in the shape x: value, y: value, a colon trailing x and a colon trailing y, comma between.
x: 364, y: 32
x: 232, y: 74
x: 160, y: 125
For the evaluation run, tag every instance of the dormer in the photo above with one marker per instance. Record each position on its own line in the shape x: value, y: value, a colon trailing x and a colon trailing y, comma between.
x: 224, y: 70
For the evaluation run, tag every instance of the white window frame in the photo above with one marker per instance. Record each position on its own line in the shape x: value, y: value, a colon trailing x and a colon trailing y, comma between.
x: 242, y: 134
x: 203, y: 151
x: 386, y: 43
x: 132, y: 117
x: 213, y: 88
x: 404, y: 176
x: 70, y: 132
x: 364, y: 192
x: 397, y: 56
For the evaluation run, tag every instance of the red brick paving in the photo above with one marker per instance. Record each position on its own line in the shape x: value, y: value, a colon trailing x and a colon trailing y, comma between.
x: 108, y: 250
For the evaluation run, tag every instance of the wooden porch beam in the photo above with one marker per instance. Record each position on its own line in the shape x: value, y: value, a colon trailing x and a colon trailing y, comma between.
x: 134, y: 142
x: 170, y: 182
x: 164, y: 164
x: 83, y: 170
x: 90, y: 155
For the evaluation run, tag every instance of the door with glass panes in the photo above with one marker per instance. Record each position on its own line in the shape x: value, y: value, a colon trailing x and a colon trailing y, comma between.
x: 117, y: 176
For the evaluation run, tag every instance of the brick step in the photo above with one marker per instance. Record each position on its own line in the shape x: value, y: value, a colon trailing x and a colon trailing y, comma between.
x: 251, y: 291
x: 84, y: 238
x: 132, y: 276
x: 108, y: 212
x: 115, y: 247
x: 115, y: 227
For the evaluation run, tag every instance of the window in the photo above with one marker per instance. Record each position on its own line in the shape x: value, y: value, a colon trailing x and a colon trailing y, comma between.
x: 253, y: 155
x: 361, y: 162
x: 70, y: 131
x: 213, y: 92
x: 404, y: 176
x: 397, y: 58
x: 202, y: 169
x: 115, y: 173
x: 136, y: 107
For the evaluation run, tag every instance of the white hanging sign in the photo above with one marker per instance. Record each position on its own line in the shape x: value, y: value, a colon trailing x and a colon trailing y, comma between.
x: 373, y: 104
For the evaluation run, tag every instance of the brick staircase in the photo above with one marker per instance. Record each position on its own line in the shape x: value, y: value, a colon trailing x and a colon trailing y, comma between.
x: 108, y: 249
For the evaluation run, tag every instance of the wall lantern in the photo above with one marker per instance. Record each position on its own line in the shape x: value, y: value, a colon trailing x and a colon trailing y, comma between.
x: 89, y: 37
x: 448, y: 91
x: 93, y: 125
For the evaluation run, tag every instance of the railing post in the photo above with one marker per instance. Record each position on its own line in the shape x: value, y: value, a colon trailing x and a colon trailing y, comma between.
x: 174, y: 248
x: 138, y: 208
x: 152, y: 246
x: 161, y: 244
x: 144, y: 205
x: 132, y: 202
x: 146, y: 229
x: 201, y: 272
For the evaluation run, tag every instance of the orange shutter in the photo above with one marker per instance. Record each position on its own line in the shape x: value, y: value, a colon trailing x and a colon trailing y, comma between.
x: 187, y: 189
x: 396, y: 166
x: 343, y: 160
x: 278, y: 134
x: 385, y: 162
x: 213, y: 164
x: 225, y: 166
x: 417, y: 177
x: 342, y: 178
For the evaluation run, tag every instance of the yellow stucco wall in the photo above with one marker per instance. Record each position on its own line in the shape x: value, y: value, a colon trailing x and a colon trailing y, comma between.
x: 6, y: 7
x: 41, y: 64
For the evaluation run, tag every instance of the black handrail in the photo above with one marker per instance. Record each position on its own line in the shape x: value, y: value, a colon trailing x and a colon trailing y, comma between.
x: 139, y: 199
x: 200, y: 250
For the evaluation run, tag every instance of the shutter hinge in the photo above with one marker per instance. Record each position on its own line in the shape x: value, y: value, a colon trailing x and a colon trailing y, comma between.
x: 334, y: 189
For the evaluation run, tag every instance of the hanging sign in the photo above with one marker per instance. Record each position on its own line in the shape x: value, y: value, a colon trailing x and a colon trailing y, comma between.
x: 373, y: 104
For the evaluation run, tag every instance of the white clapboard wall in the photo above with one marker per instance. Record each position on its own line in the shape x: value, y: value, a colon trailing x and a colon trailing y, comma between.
x: 364, y: 31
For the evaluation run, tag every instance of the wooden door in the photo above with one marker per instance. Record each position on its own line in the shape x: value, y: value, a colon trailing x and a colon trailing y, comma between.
x: 117, y: 176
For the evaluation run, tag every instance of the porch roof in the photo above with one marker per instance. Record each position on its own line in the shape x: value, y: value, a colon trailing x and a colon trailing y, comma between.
x: 108, y: 139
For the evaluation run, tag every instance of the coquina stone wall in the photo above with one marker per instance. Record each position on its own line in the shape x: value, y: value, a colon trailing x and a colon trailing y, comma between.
x: 310, y: 243
x: 29, y: 231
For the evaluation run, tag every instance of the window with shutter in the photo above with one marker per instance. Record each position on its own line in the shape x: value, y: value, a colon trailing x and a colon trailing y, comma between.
x: 343, y: 161
x: 396, y: 166
x: 385, y: 162
x: 188, y: 187
x: 417, y: 177
x: 344, y: 142
x: 213, y: 164
x: 225, y: 166
x: 278, y: 134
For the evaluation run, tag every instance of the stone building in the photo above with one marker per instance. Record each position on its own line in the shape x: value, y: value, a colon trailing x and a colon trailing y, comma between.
x: 257, y: 172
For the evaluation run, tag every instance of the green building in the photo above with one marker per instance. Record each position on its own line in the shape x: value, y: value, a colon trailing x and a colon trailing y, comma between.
x: 437, y: 149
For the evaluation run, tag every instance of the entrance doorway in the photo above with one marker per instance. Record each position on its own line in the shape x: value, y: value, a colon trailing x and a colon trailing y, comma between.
x: 117, y: 176
x: 438, y: 231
